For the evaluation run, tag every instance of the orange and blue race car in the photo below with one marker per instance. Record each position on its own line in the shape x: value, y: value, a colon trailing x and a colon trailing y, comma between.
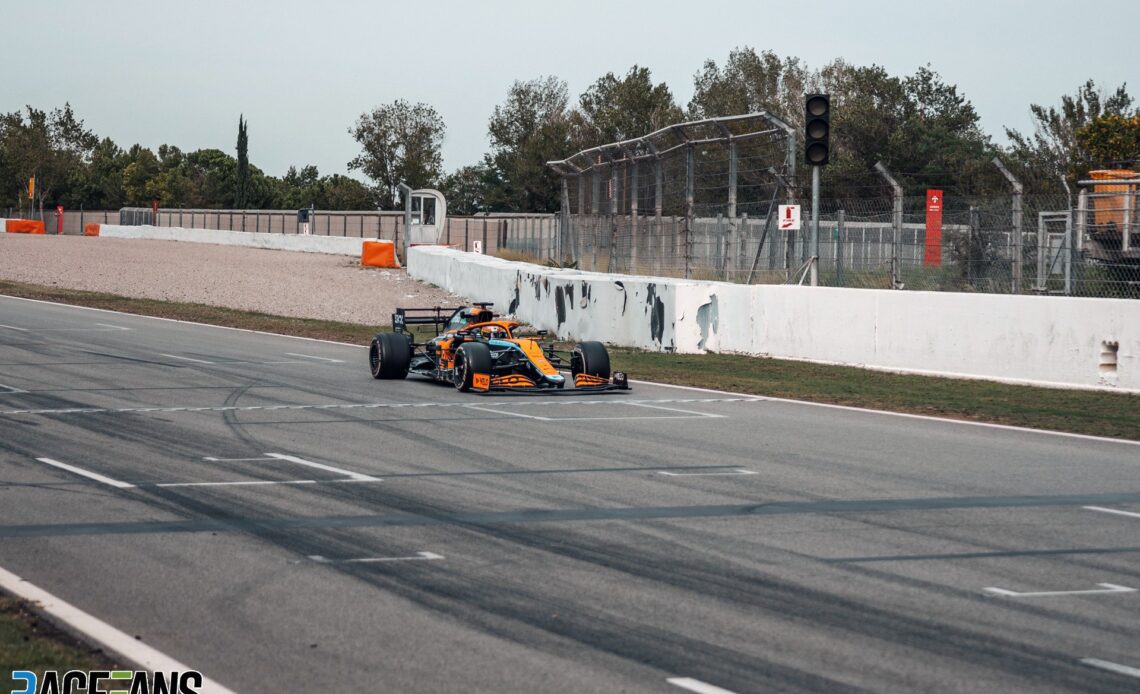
x: 473, y: 350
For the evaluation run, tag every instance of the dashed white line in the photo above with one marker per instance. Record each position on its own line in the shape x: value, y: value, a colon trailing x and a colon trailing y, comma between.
x: 1113, y: 667
x: 327, y: 468
x: 381, y: 405
x: 420, y: 556
x: 104, y: 634
x: 740, y: 471
x: 1116, y: 511
x: 1104, y: 588
x: 309, y: 356
x: 196, y: 361
x: 86, y: 473
x: 12, y: 327
x: 698, y: 686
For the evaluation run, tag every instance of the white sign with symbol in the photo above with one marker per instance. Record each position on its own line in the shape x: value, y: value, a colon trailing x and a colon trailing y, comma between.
x: 790, y: 217
x: 477, y: 246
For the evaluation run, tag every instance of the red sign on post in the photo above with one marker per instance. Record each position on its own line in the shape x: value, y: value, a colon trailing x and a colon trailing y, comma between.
x: 933, y: 254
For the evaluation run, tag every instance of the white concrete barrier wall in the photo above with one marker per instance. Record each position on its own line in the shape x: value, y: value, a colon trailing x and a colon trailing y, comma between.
x: 336, y: 245
x: 1073, y: 342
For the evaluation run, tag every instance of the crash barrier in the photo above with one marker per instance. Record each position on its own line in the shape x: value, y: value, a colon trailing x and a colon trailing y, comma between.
x: 91, y: 229
x: 379, y: 254
x: 1040, y: 340
x: 23, y: 226
x: 285, y: 242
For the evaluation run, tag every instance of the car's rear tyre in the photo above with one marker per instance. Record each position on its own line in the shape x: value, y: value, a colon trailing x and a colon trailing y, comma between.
x: 590, y: 358
x: 471, y: 358
x: 389, y: 356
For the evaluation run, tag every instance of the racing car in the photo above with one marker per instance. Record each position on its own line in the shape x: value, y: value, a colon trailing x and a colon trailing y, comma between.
x: 475, y: 351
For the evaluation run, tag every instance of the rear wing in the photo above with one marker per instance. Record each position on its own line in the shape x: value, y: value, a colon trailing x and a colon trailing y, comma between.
x: 437, y: 316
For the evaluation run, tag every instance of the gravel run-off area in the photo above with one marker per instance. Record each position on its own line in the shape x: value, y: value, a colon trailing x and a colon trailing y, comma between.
x: 284, y: 283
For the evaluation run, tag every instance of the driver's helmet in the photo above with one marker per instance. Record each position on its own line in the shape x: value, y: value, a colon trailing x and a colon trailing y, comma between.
x: 495, y: 332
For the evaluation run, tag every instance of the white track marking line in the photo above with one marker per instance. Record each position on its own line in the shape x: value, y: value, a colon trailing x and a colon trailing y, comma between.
x: 420, y: 556
x: 739, y: 396
x: 196, y: 361
x: 1112, y: 667
x: 1118, y: 512
x: 739, y: 471
x: 86, y: 473
x: 108, y: 325
x: 676, y: 409
x: 309, y: 356
x: 107, y: 636
x: 10, y: 390
x: 510, y: 414
x: 327, y: 468
x: 12, y: 327
x: 697, y: 686
x: 241, y: 483
x: 1105, y: 588
x: 235, y: 460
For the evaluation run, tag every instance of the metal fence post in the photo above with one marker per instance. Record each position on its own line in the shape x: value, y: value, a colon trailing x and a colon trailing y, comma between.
x: 971, y: 243
x: 1016, y: 230
x: 840, y: 230
x: 633, y: 260
x: 690, y: 165
x: 896, y: 223
x: 565, y: 231
x: 731, y: 228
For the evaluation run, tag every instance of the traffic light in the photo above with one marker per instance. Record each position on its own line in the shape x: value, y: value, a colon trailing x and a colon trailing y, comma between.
x: 817, y: 129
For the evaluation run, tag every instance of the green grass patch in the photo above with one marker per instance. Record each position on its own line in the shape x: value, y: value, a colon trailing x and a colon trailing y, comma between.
x: 1095, y: 413
x: 29, y: 643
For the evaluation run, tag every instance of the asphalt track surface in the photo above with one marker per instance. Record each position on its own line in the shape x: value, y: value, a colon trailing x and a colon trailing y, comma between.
x: 259, y: 508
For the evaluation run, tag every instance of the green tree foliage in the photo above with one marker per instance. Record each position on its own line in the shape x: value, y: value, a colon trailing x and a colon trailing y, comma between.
x: 401, y: 144
x: 529, y: 129
x: 750, y: 82
x: 1053, y: 151
x: 620, y: 108
x: 1111, y: 141
x: 241, y: 194
x: 48, y: 145
x: 465, y: 189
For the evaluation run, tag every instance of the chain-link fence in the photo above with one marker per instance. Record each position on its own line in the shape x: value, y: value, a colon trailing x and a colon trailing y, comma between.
x: 700, y: 201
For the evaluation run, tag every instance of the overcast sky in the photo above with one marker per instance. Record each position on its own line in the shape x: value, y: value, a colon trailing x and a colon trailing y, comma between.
x: 301, y: 72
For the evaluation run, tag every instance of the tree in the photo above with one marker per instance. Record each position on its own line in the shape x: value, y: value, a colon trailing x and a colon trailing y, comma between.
x: 401, y: 144
x: 48, y: 146
x: 1111, y: 141
x: 1053, y: 151
x: 466, y: 188
x: 615, y: 108
x: 529, y: 129
x: 241, y: 194
x: 750, y: 82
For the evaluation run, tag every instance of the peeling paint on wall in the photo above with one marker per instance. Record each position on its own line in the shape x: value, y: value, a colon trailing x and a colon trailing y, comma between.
x: 560, y: 304
x: 708, y: 319
x: 656, y: 314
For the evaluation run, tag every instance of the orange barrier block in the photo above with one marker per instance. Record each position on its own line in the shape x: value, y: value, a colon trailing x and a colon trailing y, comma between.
x: 23, y: 226
x: 379, y: 254
x: 91, y: 230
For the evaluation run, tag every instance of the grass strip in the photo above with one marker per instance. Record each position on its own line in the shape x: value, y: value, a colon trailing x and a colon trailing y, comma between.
x: 1095, y: 413
x: 27, y: 642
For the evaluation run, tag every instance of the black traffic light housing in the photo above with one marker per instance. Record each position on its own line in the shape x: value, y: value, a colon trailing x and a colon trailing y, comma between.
x: 817, y: 129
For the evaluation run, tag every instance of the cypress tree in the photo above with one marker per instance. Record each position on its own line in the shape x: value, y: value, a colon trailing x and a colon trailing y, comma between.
x: 241, y: 195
